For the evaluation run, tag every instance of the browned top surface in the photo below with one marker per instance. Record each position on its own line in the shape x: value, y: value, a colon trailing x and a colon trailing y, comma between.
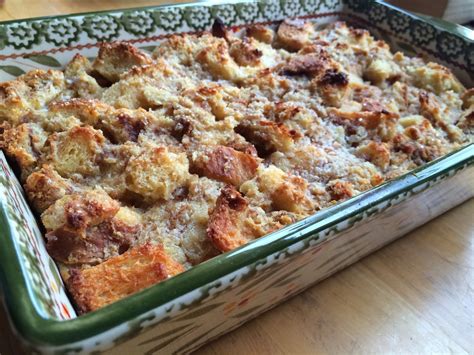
x: 404, y: 305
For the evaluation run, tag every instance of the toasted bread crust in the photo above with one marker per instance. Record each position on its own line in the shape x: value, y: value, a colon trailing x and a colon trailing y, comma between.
x: 117, y: 58
x: 46, y: 186
x: 157, y: 173
x: 267, y: 136
x: 226, y: 220
x: 214, y: 140
x: 78, y: 150
x: 80, y: 210
x: 123, y: 275
x: 234, y: 222
x: 293, y: 34
x: 226, y: 164
x: 261, y: 33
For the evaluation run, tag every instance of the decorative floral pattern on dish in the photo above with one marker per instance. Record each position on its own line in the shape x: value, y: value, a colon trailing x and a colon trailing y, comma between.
x: 422, y: 33
x: 198, y: 18
x: 227, y: 13
x: 140, y: 23
x: 448, y: 45
x: 61, y: 32
x: 169, y: 19
x: 46, y: 284
x: 102, y: 27
x: 469, y: 55
x: 357, y: 5
x: 312, y: 6
x: 398, y: 22
x: 248, y: 12
x: 377, y: 13
x: 291, y: 8
x: 332, y: 4
x: 22, y: 35
x: 270, y: 10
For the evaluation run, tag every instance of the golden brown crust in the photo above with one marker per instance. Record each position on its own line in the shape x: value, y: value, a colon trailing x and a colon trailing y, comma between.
x: 436, y: 78
x: 375, y: 152
x: 78, y: 79
x: 89, y: 228
x: 157, y: 172
x: 333, y: 85
x: 30, y: 91
x: 94, y: 243
x: 46, y: 186
x: 230, y: 225
x: 311, y: 64
x: 468, y: 98
x: 290, y: 196
x: 245, y: 53
x: 234, y: 222
x: 23, y: 143
x: 225, y: 164
x: 367, y: 119
x: 268, y: 136
x: 466, y: 121
x: 121, y: 276
x: 261, y: 33
x: 78, y: 150
x: 117, y: 58
x: 131, y: 149
x: 86, y: 110
x: 217, y: 60
x: 293, y: 34
x: 274, y: 190
x: 80, y: 210
x: 340, y: 190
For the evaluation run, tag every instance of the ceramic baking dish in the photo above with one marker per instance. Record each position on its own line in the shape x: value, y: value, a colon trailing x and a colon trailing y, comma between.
x: 186, y: 311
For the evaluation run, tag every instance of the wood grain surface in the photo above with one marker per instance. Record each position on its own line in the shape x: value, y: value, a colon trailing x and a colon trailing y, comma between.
x: 414, y: 296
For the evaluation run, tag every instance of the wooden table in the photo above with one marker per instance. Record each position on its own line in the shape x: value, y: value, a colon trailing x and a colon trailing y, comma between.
x: 415, y: 295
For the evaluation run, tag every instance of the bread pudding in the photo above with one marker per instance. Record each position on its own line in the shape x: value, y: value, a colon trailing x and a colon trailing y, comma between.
x: 141, y: 166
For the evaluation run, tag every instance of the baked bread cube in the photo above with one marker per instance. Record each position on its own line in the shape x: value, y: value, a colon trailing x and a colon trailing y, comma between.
x: 273, y: 189
x: 294, y: 34
x: 80, y: 210
x: 378, y: 153
x: 261, y: 33
x: 79, y: 81
x: 46, y: 186
x: 216, y: 59
x: 157, y: 172
x: 267, y: 136
x: 89, y: 227
x: 23, y: 143
x: 245, y: 52
x: 78, y: 110
x: 95, y: 243
x: 76, y: 151
x: 29, y: 92
x: 117, y: 58
x: 138, y: 268
x: 224, y: 164
x: 436, y: 78
x: 234, y: 222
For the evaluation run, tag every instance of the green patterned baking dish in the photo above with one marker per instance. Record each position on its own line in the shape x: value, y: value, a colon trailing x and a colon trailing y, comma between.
x: 186, y: 311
